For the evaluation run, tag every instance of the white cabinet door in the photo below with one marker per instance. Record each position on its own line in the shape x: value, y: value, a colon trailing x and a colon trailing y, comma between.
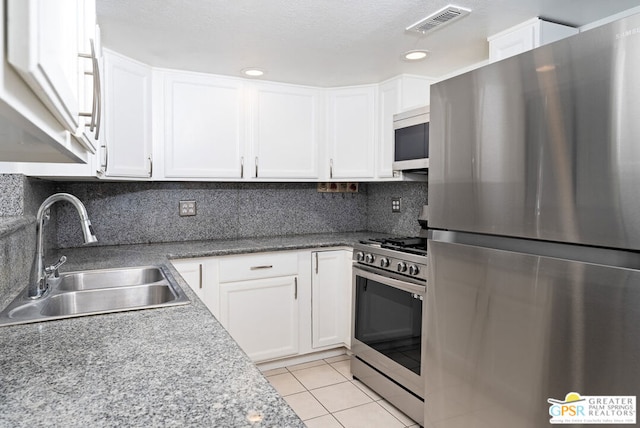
x: 389, y: 96
x: 127, y: 134
x: 512, y: 43
x: 285, y: 131
x: 526, y: 36
x: 45, y: 40
x: 351, y: 133
x: 90, y: 78
x: 396, y: 95
x: 192, y: 271
x: 43, y: 43
x: 262, y: 316
x: 331, y: 298
x: 203, y: 126
x: 32, y: 129
x: 201, y: 275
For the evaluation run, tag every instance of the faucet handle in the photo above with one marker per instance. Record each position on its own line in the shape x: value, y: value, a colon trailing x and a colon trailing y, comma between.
x: 53, y: 269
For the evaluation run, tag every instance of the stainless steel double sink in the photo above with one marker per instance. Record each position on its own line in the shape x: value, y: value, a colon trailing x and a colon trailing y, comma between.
x: 95, y: 292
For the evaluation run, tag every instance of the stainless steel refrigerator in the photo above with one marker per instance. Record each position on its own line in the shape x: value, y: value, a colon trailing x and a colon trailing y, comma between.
x: 534, y: 263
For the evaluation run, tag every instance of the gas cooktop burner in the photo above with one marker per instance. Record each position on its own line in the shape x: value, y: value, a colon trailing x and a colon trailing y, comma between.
x: 405, y: 255
x: 411, y: 245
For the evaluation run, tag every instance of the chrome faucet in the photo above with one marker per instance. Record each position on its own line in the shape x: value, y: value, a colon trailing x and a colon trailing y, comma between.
x: 40, y: 274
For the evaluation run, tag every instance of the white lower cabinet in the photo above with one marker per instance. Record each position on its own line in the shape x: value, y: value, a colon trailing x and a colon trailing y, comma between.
x: 277, y: 304
x: 262, y: 316
x: 198, y: 273
x: 331, y: 298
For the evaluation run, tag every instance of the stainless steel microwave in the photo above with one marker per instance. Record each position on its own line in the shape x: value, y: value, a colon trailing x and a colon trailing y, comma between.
x: 411, y: 140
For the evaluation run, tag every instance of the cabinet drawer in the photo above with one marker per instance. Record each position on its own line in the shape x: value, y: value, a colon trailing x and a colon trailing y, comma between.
x: 259, y: 265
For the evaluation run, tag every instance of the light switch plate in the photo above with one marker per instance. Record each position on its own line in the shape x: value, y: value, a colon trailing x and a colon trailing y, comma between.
x: 187, y: 208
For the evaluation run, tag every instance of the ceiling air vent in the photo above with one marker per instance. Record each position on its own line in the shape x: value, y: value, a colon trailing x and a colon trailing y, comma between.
x: 446, y: 15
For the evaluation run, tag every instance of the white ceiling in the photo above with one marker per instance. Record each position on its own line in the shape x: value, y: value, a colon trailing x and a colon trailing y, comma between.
x: 321, y: 42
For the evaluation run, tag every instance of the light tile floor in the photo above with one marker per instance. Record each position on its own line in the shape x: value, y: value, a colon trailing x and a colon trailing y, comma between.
x: 325, y: 395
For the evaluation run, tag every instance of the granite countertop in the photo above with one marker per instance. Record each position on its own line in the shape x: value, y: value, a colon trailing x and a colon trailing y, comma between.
x: 174, y: 366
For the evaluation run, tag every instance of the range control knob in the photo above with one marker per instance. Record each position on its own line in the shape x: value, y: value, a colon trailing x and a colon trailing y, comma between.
x: 414, y: 270
x: 402, y: 267
x: 369, y: 258
x: 359, y: 256
x: 384, y: 262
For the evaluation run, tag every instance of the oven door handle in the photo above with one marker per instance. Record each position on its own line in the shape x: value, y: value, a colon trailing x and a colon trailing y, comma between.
x: 395, y: 283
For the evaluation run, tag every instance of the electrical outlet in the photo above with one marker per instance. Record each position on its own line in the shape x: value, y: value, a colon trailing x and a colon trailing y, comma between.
x: 187, y: 208
x: 395, y: 204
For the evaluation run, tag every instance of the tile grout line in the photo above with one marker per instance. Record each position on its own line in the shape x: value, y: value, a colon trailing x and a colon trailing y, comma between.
x: 311, y: 393
x: 346, y: 380
x: 314, y: 397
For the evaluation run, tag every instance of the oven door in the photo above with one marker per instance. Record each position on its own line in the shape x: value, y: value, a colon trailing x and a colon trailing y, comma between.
x: 387, y: 327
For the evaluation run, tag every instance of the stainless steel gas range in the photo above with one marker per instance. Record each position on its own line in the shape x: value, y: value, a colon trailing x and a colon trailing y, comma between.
x: 389, y: 285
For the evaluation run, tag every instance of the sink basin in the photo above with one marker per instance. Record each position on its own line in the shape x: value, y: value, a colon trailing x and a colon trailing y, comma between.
x: 96, y: 301
x: 97, y: 292
x: 90, y: 280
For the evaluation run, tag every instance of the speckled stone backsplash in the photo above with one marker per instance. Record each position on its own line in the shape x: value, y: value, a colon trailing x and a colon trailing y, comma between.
x: 413, y: 196
x: 20, y: 195
x: 128, y: 213
x: 134, y: 212
x: 16, y: 255
x: 12, y: 195
x: 20, y: 198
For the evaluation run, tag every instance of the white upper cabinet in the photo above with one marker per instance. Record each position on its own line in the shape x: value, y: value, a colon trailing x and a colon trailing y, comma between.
x: 90, y: 78
x: 389, y: 96
x: 284, y: 124
x: 49, y: 45
x: 526, y: 36
x: 39, y: 107
x: 126, y: 147
x: 203, y: 126
x: 351, y: 132
x: 396, y: 95
x: 48, y: 61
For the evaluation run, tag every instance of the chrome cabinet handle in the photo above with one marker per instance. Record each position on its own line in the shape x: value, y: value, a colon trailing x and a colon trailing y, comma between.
x: 96, y: 108
x: 261, y: 267
x: 256, y: 166
x: 295, y: 292
x: 200, y: 275
x: 242, y: 167
x: 98, y: 86
x: 330, y: 168
x: 92, y: 114
x: 106, y: 157
x: 317, y: 263
x: 150, y: 166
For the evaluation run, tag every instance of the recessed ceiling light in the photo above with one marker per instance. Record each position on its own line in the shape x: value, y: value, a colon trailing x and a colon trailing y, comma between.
x: 415, y: 55
x: 253, y: 72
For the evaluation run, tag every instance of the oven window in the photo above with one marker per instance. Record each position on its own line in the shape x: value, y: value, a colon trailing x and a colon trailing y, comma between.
x: 412, y: 142
x: 389, y: 320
